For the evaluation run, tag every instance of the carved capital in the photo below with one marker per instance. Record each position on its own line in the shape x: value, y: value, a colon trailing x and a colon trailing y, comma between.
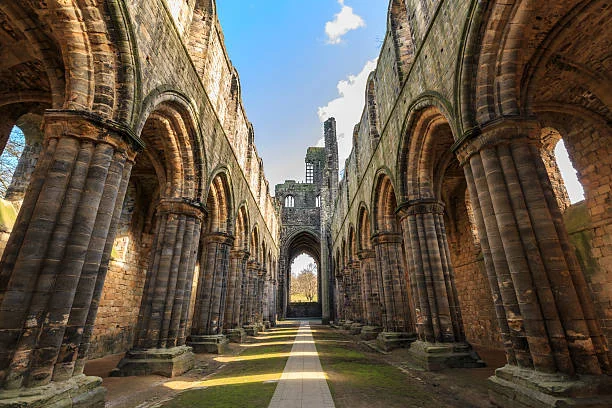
x: 499, y: 131
x: 84, y: 125
x: 386, y: 238
x: 219, y: 238
x: 421, y: 206
x: 181, y: 206
x: 366, y: 254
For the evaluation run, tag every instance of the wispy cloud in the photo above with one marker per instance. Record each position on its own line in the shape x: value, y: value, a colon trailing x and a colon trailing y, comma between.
x: 347, y: 108
x: 342, y: 23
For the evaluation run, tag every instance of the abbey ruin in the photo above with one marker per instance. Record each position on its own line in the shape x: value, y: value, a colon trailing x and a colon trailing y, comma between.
x: 139, y: 220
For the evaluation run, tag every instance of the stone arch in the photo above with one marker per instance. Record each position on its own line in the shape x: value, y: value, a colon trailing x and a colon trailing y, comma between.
x: 529, y: 47
x: 241, y: 241
x: 403, y: 42
x: 220, y: 203
x: 90, y: 79
x: 254, y: 243
x: 372, y: 108
x: 364, y: 228
x: 384, y: 204
x: 202, y: 25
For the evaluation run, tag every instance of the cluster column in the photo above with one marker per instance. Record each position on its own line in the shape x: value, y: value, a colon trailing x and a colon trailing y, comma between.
x: 371, y: 294
x: 397, y: 325
x: 250, y: 295
x: 159, y: 347
x: 543, y: 307
x: 235, y: 292
x: 259, y: 300
x: 54, y: 266
x: 438, y: 316
x: 207, y: 327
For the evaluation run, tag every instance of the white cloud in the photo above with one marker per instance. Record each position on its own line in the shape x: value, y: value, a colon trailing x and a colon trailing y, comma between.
x: 342, y: 23
x: 347, y: 109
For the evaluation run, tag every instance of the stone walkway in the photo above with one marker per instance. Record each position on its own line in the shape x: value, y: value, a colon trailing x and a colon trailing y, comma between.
x: 303, y: 383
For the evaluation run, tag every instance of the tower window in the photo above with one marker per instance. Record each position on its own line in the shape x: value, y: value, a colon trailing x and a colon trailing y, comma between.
x: 289, y: 201
x: 309, y: 173
x: 318, y: 201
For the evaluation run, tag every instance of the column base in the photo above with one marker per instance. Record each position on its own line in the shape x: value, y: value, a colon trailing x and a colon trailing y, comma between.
x: 166, y: 362
x: 514, y: 387
x: 236, y: 335
x: 346, y: 325
x: 356, y: 328
x: 261, y: 327
x: 388, y: 341
x: 80, y: 391
x: 213, y: 344
x: 438, y: 356
x: 370, y: 332
x: 251, y: 330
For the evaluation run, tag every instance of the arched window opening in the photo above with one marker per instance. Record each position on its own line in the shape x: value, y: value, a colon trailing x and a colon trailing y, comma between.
x: 318, y: 201
x: 10, y: 159
x: 289, y: 201
x: 304, y: 280
x: 569, y: 174
x: 309, y: 173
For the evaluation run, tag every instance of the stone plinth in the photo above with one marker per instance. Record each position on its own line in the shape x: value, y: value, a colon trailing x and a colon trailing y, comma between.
x: 78, y: 392
x: 214, y: 344
x: 393, y: 340
x: 252, y: 330
x: 167, y: 362
x: 438, y: 356
x: 236, y: 335
x: 514, y: 387
x: 347, y: 324
x: 356, y: 328
x: 370, y: 332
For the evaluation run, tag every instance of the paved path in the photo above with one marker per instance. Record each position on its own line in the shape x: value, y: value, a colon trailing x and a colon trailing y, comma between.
x: 303, y: 383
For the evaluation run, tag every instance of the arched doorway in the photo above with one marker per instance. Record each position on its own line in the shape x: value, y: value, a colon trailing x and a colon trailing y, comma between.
x: 304, y: 242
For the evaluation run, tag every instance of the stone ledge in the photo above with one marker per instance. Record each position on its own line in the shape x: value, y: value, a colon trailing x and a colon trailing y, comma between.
x: 78, y: 392
x: 166, y: 362
x: 514, y: 387
x: 370, y: 332
x: 438, y: 356
x: 393, y: 340
x: 214, y: 344
x: 236, y: 335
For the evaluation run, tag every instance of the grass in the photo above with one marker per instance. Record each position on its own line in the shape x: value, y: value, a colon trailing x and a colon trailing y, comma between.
x: 358, y: 379
x: 248, y: 380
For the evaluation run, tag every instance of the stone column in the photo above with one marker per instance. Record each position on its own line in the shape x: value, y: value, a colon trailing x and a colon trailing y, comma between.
x: 54, y: 266
x: 235, y: 291
x: 249, y: 317
x: 398, y: 329
x: 347, y: 289
x: 554, y: 346
x: 159, y: 346
x: 259, y: 300
x: 340, y: 301
x: 272, y: 305
x: 438, y: 316
x: 207, y: 326
x: 354, y: 265
x: 371, y: 295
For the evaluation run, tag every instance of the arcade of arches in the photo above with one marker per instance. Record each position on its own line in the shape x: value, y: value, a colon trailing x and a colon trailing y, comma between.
x: 139, y: 221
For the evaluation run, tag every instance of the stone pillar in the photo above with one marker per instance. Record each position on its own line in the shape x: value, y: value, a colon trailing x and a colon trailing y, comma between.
x: 347, y: 289
x: 398, y: 329
x: 54, y: 266
x: 371, y: 295
x: 357, y: 290
x: 235, y: 290
x: 251, y: 289
x: 438, y: 316
x: 340, y: 301
x: 272, y: 305
x: 159, y: 346
x: 554, y: 346
x: 259, y: 300
x: 207, y: 326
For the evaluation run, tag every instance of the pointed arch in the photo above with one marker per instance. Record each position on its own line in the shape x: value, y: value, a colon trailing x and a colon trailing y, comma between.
x: 384, y: 204
x: 220, y: 204
x: 403, y: 42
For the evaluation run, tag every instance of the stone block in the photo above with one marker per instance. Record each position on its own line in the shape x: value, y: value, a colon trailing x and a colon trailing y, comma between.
x: 388, y: 341
x: 251, y: 330
x: 215, y: 344
x: 438, y: 356
x: 355, y: 328
x: 236, y: 335
x: 78, y: 392
x: 166, y: 362
x: 370, y: 332
x: 514, y: 387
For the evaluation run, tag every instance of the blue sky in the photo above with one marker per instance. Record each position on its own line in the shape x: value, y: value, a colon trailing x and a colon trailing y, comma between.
x: 290, y: 68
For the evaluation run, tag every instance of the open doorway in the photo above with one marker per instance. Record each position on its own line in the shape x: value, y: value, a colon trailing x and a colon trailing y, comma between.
x: 304, y: 280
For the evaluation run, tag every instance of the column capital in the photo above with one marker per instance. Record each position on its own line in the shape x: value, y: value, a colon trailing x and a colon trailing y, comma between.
x: 386, y: 238
x: 253, y: 264
x: 240, y: 253
x: 420, y: 206
x: 366, y: 254
x: 88, y: 125
x: 182, y: 206
x: 219, y: 238
x: 499, y: 131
